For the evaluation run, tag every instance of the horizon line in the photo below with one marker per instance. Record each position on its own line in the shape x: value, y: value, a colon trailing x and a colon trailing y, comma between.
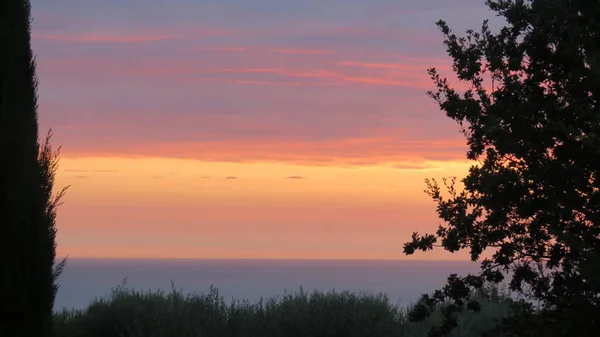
x: 259, y: 259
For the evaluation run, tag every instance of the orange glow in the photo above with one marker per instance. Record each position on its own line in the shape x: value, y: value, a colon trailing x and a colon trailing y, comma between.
x: 161, y: 207
x: 338, y: 153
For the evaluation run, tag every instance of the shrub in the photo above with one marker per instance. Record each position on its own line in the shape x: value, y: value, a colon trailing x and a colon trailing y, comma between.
x: 131, y: 313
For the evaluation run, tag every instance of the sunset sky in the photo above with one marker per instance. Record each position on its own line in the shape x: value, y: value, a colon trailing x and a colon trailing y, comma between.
x: 247, y: 129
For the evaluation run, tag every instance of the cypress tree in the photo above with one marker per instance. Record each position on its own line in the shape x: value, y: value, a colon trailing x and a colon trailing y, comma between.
x: 27, y: 208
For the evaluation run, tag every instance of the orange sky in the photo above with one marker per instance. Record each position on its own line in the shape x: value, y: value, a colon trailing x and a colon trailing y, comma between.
x: 287, y: 129
x: 162, y: 207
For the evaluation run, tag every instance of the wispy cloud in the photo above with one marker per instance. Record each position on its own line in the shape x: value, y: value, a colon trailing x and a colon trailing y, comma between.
x: 395, y: 66
x: 328, y: 76
x: 231, y: 178
x: 143, y: 36
x: 100, y: 38
x: 342, y: 152
x: 295, y: 177
x: 221, y: 49
x: 414, y: 166
x: 302, y: 51
x: 267, y: 83
x: 92, y: 171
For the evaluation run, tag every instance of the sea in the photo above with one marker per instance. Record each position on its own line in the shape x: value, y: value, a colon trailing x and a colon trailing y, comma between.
x: 403, y: 281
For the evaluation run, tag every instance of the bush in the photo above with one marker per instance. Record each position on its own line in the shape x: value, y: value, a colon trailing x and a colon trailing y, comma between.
x: 131, y: 313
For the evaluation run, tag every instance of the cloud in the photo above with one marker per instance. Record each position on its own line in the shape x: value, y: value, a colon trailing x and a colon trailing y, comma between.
x: 415, y: 166
x: 91, y: 171
x: 205, y: 177
x: 303, y: 51
x: 320, y: 76
x: 101, y: 38
x: 337, y: 125
x: 405, y: 66
x: 158, y: 177
x: 109, y: 35
x: 231, y: 178
x: 81, y: 177
x: 377, y: 65
x: 240, y: 65
x: 221, y: 49
x: 273, y: 82
x: 339, y: 152
x: 295, y: 177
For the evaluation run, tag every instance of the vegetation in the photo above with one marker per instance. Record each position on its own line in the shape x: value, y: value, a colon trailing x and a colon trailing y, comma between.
x: 531, y: 207
x: 128, y: 313
x: 28, y: 210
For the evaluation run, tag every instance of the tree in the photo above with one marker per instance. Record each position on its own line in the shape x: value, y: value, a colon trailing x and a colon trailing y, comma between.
x: 27, y: 207
x: 48, y: 159
x: 531, y: 206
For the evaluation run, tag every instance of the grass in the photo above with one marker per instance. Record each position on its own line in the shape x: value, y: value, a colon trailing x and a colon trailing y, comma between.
x: 130, y: 313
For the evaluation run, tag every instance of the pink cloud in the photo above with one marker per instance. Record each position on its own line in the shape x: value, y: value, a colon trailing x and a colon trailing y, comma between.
x: 394, y: 66
x: 303, y: 51
x: 100, y: 38
x: 295, y: 83
x: 245, y: 65
x: 221, y: 49
x: 341, y: 152
x: 245, y: 98
x: 383, y: 81
x: 139, y: 37
x: 401, y: 75
x: 333, y: 78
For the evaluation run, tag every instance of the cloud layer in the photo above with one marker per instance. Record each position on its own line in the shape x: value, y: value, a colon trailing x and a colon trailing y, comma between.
x: 332, y: 83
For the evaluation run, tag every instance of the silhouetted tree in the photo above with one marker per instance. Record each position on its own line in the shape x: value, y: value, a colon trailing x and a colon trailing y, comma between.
x: 48, y: 158
x: 533, y: 201
x: 27, y: 208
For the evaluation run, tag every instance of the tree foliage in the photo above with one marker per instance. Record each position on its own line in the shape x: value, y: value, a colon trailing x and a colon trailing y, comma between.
x: 27, y: 204
x: 48, y: 158
x: 530, y: 209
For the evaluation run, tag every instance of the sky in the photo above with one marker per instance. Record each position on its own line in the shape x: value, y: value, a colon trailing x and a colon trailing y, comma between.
x: 247, y: 129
